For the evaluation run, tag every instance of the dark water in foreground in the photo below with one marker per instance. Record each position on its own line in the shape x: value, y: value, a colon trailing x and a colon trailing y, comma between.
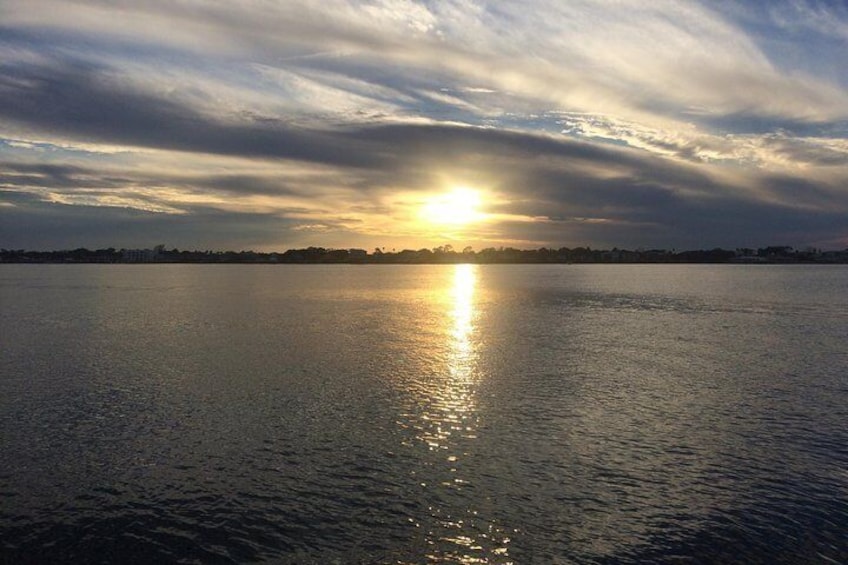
x: 389, y: 414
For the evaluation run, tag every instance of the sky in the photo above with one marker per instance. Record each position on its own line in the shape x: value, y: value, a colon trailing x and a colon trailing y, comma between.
x: 269, y: 125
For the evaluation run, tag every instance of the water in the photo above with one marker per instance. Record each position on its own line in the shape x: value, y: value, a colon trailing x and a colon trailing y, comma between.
x: 423, y: 414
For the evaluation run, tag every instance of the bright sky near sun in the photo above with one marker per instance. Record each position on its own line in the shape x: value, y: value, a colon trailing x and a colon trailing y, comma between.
x: 400, y: 123
x: 460, y: 206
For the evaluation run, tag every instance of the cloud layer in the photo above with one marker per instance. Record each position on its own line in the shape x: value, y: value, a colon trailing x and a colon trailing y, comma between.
x: 264, y: 125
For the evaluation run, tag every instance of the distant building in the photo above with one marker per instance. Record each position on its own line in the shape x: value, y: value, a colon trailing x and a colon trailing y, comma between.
x: 137, y: 255
x: 143, y: 255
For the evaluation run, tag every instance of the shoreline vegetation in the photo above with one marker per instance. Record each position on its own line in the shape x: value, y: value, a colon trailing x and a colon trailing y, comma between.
x: 445, y: 254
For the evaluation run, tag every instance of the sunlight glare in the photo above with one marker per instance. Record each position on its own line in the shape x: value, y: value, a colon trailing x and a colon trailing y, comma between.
x: 457, y: 207
x: 462, y: 314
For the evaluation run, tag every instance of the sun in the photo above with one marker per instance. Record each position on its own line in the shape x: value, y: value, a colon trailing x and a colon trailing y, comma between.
x: 458, y: 207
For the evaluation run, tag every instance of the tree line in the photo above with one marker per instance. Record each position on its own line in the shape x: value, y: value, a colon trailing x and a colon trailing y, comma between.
x: 445, y: 254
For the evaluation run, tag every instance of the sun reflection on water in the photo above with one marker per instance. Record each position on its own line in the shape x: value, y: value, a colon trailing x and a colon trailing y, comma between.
x: 452, y: 403
x: 464, y: 280
x: 448, y: 427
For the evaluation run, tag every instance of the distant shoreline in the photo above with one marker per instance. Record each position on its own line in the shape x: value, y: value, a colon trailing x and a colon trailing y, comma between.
x: 437, y: 256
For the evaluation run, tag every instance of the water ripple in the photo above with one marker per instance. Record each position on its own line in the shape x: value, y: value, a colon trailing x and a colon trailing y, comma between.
x: 481, y: 414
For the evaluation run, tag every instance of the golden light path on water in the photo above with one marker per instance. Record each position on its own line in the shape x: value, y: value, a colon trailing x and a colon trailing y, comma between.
x: 464, y: 537
x: 456, y: 401
x: 450, y: 406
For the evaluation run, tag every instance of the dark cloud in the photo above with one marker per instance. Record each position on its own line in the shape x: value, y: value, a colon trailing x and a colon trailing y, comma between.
x: 33, y: 224
x: 240, y: 185
x: 755, y: 122
x: 698, y: 226
x: 445, y: 142
x: 655, y: 207
x: 70, y: 177
x: 592, y: 193
x: 55, y: 176
x: 83, y: 102
x: 804, y: 191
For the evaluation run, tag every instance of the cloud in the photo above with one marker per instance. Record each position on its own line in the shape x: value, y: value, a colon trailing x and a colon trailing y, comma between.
x: 33, y: 224
x: 80, y: 103
x: 666, y: 120
x: 632, y: 58
x: 545, y: 190
x: 829, y: 19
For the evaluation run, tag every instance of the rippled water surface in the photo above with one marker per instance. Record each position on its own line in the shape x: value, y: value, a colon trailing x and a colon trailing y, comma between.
x: 418, y: 414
